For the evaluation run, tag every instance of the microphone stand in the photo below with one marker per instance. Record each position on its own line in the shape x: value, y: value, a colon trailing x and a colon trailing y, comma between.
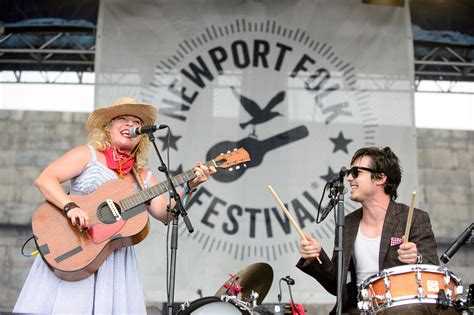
x: 179, y: 209
x: 339, y: 185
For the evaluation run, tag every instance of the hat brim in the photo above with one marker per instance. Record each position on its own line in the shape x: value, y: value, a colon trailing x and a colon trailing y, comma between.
x: 100, y: 117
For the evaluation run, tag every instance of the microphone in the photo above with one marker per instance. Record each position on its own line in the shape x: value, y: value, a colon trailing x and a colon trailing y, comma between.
x: 342, y: 174
x: 136, y: 131
x: 328, y: 208
x: 332, y: 203
x: 288, y: 280
x: 449, y: 253
x: 339, y: 177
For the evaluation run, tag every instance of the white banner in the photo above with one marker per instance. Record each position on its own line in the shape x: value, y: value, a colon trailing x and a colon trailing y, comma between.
x: 300, y: 84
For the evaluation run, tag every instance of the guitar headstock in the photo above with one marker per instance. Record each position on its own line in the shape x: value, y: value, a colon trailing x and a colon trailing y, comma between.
x: 232, y: 158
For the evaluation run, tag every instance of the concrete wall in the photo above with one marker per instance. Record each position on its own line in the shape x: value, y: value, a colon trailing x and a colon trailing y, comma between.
x: 31, y: 140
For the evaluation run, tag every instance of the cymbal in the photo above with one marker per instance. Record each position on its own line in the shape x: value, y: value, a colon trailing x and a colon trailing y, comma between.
x: 257, y: 277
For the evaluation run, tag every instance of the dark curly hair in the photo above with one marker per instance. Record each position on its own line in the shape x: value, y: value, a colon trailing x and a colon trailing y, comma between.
x: 385, y: 161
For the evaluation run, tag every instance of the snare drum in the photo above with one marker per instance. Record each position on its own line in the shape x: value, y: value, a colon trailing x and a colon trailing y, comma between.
x: 411, y: 289
x: 212, y: 305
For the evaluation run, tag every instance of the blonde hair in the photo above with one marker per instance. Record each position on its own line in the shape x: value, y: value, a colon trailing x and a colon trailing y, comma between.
x: 99, y: 138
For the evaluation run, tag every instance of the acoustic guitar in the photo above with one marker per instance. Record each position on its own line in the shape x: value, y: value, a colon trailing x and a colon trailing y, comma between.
x: 118, y: 218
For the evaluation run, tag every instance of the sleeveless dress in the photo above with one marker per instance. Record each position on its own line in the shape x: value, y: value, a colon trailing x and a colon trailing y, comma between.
x: 115, y: 288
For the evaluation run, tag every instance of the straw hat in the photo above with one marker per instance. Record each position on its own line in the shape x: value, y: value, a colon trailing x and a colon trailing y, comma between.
x: 123, y: 106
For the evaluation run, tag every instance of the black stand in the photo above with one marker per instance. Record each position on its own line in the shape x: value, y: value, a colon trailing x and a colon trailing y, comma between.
x: 338, y: 186
x: 340, y: 249
x: 179, y: 209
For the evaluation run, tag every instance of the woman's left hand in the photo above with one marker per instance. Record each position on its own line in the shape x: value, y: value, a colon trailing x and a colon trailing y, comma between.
x: 202, y: 173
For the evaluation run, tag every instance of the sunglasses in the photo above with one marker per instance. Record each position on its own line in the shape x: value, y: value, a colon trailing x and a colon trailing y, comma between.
x: 354, y: 171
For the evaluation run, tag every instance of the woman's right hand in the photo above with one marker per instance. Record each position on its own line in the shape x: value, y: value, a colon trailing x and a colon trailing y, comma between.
x: 78, y: 216
x: 309, y: 248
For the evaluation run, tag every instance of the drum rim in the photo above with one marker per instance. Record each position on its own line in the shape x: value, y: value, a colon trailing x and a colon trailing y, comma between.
x: 403, y: 301
x: 204, y: 301
x: 410, y: 268
x: 193, y: 305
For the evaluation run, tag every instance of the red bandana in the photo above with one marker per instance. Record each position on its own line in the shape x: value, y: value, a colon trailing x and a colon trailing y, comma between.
x: 119, y: 161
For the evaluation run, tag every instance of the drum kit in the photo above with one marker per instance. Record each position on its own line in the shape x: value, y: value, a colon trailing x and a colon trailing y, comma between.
x: 408, y: 289
x: 243, y: 294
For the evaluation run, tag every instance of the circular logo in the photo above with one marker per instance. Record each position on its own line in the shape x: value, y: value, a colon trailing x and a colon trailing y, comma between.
x: 290, y: 101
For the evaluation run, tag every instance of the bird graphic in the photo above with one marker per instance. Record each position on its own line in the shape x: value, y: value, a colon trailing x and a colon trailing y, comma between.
x: 259, y: 115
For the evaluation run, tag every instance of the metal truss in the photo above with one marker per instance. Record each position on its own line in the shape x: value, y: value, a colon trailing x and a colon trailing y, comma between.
x: 65, y: 51
x: 45, y: 51
x: 47, y: 77
x: 443, y: 62
x: 444, y: 87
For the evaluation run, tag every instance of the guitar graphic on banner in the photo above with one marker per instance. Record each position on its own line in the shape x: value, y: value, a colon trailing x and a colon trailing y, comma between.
x: 118, y: 218
x: 258, y: 149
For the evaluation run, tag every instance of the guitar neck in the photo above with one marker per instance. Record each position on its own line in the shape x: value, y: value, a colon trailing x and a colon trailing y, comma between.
x: 160, y: 188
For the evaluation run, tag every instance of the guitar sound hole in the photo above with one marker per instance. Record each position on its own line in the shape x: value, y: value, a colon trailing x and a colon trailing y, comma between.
x: 105, y: 215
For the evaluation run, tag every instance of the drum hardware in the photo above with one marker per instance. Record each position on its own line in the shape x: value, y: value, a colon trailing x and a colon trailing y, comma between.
x: 257, y: 277
x: 447, y: 280
x: 240, y: 294
x: 273, y: 309
x: 443, y: 301
x: 420, y: 286
x: 185, y: 305
x: 387, y: 295
x: 254, y: 297
x: 470, y: 296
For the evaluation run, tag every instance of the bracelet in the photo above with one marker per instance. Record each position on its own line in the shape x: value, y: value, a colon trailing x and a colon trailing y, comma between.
x: 69, y: 206
x: 187, y: 189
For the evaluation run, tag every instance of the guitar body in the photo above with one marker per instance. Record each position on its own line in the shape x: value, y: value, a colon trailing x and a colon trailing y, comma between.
x: 73, y: 255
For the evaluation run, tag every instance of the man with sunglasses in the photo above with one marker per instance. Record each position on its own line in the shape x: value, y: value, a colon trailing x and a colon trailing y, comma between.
x: 373, y: 234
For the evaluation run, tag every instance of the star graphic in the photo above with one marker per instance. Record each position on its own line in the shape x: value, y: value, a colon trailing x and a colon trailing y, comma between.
x: 172, y: 142
x: 340, y: 143
x: 177, y: 171
x: 329, y: 176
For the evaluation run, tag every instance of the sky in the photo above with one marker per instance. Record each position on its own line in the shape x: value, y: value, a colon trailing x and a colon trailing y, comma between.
x: 433, y: 109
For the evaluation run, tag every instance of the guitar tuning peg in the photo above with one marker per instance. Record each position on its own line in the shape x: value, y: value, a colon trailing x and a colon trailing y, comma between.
x: 235, y: 149
x: 228, y: 151
x: 231, y: 169
x: 245, y: 165
x: 237, y: 167
x: 222, y: 154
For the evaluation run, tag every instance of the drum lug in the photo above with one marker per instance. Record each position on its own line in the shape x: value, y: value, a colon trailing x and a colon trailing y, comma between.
x: 420, y: 292
x: 363, y: 294
x: 388, y: 297
x: 386, y: 282
x: 418, y: 277
x: 447, y: 280
x: 418, y: 282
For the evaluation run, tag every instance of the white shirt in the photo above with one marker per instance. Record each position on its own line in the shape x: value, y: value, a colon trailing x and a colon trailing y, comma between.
x: 366, y: 253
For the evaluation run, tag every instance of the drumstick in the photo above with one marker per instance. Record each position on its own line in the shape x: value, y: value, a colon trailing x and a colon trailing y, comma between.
x: 410, y: 217
x: 290, y: 217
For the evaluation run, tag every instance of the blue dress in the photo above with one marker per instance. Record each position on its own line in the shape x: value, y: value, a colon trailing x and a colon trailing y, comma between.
x: 116, y: 288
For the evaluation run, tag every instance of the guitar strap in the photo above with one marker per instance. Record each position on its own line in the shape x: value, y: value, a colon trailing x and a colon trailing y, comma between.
x: 139, y: 179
